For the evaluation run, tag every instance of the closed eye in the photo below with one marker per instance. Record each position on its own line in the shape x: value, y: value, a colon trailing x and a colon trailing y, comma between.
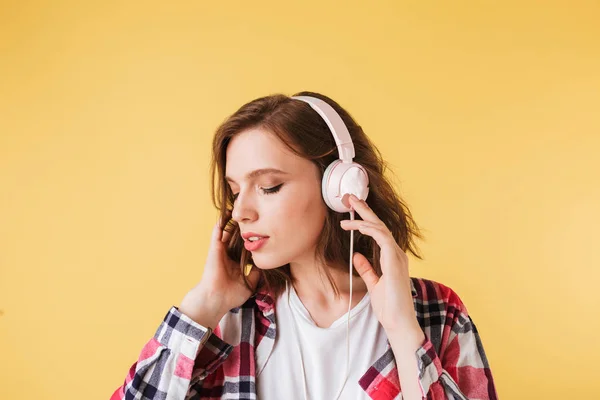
x: 270, y: 190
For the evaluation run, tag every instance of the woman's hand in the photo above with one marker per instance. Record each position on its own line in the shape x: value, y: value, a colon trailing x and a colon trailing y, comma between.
x: 391, y: 296
x: 222, y: 286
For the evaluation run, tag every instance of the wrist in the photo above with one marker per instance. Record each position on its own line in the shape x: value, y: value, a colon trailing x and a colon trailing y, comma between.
x: 408, y: 336
x: 203, y: 309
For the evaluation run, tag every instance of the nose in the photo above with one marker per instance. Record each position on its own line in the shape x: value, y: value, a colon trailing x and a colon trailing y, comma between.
x: 244, y: 210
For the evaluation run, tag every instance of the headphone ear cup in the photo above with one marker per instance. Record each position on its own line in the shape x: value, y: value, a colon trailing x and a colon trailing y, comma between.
x: 325, y: 183
x: 340, y: 179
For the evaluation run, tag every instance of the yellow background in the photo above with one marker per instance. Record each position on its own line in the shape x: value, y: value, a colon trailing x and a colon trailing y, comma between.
x: 488, y: 114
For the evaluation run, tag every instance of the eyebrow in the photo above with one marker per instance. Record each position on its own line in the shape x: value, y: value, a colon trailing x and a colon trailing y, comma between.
x: 258, y: 172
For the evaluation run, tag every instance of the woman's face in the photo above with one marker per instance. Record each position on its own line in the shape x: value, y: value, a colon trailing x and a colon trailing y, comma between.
x: 285, y: 206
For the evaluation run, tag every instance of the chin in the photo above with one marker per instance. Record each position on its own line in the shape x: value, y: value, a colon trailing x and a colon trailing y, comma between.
x: 267, y: 262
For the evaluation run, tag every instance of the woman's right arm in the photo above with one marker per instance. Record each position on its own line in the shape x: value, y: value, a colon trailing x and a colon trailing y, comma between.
x: 184, y: 351
x: 181, y: 354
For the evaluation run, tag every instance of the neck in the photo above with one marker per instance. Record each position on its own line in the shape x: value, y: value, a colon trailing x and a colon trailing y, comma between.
x: 315, y: 291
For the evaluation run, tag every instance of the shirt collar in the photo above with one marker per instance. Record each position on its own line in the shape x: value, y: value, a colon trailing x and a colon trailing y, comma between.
x: 265, y: 301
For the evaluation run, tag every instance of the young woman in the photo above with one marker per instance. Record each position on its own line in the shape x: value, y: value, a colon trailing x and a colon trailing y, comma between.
x: 269, y: 318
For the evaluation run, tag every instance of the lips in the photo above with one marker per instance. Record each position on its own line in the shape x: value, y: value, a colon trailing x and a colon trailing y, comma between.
x: 254, y: 245
x: 248, y: 235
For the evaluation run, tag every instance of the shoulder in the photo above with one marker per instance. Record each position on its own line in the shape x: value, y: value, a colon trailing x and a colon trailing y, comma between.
x: 432, y: 294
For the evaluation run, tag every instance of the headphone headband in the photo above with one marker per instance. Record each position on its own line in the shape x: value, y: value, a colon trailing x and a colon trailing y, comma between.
x: 336, y: 126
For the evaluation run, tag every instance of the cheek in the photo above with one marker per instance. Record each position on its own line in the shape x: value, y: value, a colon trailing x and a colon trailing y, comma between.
x: 285, y: 209
x: 301, y: 205
x: 298, y: 212
x: 308, y: 216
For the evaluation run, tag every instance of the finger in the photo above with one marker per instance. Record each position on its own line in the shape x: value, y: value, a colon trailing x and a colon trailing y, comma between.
x: 353, y: 225
x: 365, y: 269
x: 224, y: 217
x: 217, y: 233
x: 226, y: 236
x: 384, y: 239
x: 378, y: 231
x: 363, y: 209
x: 223, y: 220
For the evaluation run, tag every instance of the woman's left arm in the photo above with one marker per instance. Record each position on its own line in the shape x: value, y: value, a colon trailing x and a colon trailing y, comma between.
x: 421, y: 372
x: 462, y: 372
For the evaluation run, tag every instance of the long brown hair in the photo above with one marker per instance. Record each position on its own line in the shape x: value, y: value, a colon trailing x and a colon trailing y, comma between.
x: 306, y: 134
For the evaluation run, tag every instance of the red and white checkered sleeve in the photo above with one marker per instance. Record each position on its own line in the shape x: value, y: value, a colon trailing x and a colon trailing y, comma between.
x: 181, y: 352
x: 462, y: 371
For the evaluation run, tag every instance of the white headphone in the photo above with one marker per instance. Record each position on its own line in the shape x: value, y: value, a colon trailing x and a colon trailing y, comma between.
x: 343, y: 176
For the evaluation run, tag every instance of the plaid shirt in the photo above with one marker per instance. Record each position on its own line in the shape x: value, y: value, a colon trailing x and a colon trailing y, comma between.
x: 183, y: 362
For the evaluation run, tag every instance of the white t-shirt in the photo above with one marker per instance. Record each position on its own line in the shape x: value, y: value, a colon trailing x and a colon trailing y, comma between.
x: 323, y: 353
